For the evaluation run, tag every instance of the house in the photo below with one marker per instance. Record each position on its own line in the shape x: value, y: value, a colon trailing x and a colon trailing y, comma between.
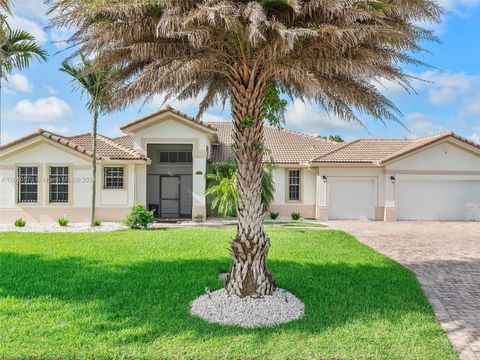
x: 161, y: 162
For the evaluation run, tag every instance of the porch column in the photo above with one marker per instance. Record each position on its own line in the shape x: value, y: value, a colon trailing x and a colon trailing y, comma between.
x: 390, y: 200
x: 199, y: 167
x: 321, y: 206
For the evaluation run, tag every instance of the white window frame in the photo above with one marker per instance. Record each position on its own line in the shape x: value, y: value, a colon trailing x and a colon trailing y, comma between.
x: 300, y: 187
x: 20, y: 183
x: 67, y: 183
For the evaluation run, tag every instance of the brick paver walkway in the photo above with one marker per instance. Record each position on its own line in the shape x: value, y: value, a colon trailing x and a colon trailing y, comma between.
x: 446, y: 258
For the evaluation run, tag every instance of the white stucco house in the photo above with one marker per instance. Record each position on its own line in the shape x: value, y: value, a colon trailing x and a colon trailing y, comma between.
x: 161, y: 162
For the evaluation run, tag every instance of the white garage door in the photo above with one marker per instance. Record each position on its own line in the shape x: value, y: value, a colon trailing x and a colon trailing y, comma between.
x: 351, y: 199
x: 438, y: 200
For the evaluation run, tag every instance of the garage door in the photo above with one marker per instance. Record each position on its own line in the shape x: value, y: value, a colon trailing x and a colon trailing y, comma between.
x: 438, y: 200
x: 351, y: 199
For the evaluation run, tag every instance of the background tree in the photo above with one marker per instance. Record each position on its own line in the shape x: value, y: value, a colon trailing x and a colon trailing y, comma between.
x: 17, y: 48
x: 222, y: 187
x: 328, y: 51
x: 98, y: 86
x: 336, y: 138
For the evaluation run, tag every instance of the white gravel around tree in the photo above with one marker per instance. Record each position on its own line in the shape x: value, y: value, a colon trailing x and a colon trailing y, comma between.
x: 219, y: 307
x: 54, y: 227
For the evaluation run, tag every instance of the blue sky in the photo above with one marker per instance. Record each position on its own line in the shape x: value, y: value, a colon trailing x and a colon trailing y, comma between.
x: 41, y: 96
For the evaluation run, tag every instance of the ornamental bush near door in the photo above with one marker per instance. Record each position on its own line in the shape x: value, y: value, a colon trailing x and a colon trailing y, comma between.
x: 139, y: 217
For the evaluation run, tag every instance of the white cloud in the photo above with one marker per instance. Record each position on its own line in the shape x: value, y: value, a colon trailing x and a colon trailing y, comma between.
x: 60, y: 37
x: 459, y: 7
x: 446, y: 87
x: 20, y: 82
x: 475, y: 136
x: 214, y: 117
x: 43, y: 109
x: 421, y: 124
x: 55, y: 129
x: 51, y: 90
x: 114, y: 131
x: 31, y: 8
x: 17, y: 22
x: 7, y: 136
x: 310, y: 118
x: 189, y: 106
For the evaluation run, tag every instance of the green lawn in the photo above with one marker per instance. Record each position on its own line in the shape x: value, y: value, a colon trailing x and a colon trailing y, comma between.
x: 126, y: 294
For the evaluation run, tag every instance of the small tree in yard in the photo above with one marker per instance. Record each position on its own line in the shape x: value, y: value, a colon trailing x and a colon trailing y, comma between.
x: 330, y: 52
x: 98, y: 85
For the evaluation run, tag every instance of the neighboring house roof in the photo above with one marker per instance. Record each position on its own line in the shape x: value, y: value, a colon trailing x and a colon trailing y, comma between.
x: 379, y: 151
x: 107, y: 149
x: 286, y: 146
x: 168, y: 108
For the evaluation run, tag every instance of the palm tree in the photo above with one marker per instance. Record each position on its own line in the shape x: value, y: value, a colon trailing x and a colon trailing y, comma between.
x: 17, y: 48
x: 330, y: 52
x: 97, y: 84
x: 222, y: 187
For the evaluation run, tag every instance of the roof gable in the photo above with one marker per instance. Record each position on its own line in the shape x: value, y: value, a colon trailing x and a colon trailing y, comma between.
x: 160, y: 115
x: 107, y: 149
x: 384, y: 151
x: 447, y: 154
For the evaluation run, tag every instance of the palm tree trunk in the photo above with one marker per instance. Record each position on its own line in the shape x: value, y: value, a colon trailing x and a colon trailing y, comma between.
x: 94, y: 166
x: 249, y: 275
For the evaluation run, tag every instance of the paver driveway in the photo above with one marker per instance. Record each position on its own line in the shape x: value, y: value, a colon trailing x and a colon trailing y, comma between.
x: 446, y: 258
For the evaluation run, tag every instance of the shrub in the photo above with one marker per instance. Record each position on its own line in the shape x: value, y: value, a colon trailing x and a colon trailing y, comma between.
x: 273, y: 215
x: 295, y: 216
x: 97, y: 222
x: 139, y: 217
x: 62, y: 221
x: 20, y: 222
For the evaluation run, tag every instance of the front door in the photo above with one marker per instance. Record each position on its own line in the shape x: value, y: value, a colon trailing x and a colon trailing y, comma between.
x: 169, y: 196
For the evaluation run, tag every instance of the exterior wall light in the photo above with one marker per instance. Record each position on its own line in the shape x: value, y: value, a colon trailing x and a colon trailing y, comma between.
x: 392, y: 178
x: 324, y: 178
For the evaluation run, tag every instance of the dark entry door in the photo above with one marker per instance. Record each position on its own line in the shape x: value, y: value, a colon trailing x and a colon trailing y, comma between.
x: 170, y: 196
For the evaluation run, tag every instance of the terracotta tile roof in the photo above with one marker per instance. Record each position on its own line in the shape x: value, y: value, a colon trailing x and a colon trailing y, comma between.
x: 286, y: 146
x: 107, y: 148
x: 379, y: 151
x: 363, y: 151
x: 167, y: 108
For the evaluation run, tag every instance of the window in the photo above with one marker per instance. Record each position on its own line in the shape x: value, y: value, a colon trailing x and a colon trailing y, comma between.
x: 294, y: 185
x: 175, y: 156
x: 113, y: 178
x: 27, y: 184
x: 58, y: 184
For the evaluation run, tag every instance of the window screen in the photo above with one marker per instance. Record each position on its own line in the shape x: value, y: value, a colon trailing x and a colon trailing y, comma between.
x: 58, y: 184
x: 27, y: 184
x: 175, y: 156
x: 113, y: 178
x: 294, y: 184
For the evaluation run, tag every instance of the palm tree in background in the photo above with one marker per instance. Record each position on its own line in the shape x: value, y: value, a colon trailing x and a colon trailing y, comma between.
x: 329, y: 52
x: 17, y: 48
x: 97, y: 85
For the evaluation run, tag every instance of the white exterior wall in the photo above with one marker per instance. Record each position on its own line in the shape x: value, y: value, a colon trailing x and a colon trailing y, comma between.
x: 308, y: 191
x: 444, y: 162
x: 172, y: 129
x: 376, y: 174
x: 43, y: 153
